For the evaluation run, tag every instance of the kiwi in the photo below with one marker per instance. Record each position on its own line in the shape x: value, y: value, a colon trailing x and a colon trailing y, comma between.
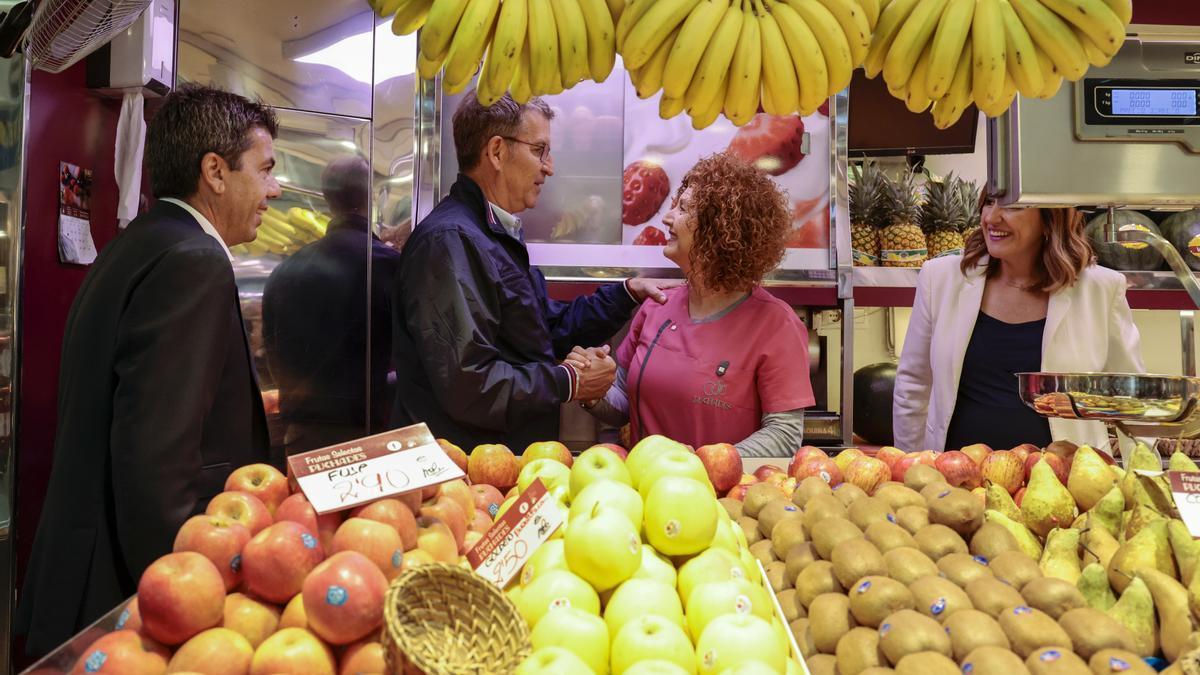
x: 750, y: 529
x: 934, y: 491
x: 829, y: 619
x: 1118, y: 662
x: 874, y: 598
x: 971, y: 629
x: 792, y: 609
x: 1030, y: 629
x: 775, y: 512
x: 849, y: 493
x: 907, y: 632
x: 991, y: 595
x: 808, y: 488
x: 857, y: 651
x: 775, y: 575
x: 963, y: 568
x: 897, y: 495
x: 991, y: 660
x: 854, y: 559
x: 960, y: 510
x: 803, y: 634
x: 798, y: 557
x: 1091, y: 631
x: 816, y: 579
x: 821, y: 664
x: 763, y: 552
x: 1056, y: 661
x: 733, y: 507
x: 1052, y: 596
x: 820, y: 508
x: 788, y: 533
x: 830, y: 532
x: 1015, y: 567
x: 920, y: 475
x: 926, y: 663
x: 758, y: 496
x: 937, y: 540
x: 907, y: 564
x: 912, y: 518
x: 887, y: 535
x: 990, y: 540
x: 864, y: 512
x: 938, y: 598
x: 877, y: 670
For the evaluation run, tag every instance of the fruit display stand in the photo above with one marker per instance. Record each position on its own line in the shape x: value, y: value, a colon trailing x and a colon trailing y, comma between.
x: 67, y: 655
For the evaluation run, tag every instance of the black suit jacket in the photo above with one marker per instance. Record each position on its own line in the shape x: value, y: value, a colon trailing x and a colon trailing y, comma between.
x: 157, y: 403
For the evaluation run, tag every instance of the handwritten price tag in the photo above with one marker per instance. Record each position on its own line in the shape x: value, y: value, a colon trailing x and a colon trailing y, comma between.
x: 507, y: 546
x: 1185, y: 487
x: 360, y: 471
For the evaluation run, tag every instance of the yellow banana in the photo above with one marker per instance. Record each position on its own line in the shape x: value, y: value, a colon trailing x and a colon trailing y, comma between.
x: 872, y: 9
x: 323, y: 219
x: 703, y: 115
x: 615, y: 7
x: 1122, y: 8
x: 918, y: 99
x: 650, y: 76
x: 264, y: 235
x: 543, y: 48
x: 911, y: 39
x: 891, y: 20
x: 252, y: 249
x: 654, y: 26
x: 303, y: 220
x: 276, y: 213
x: 987, y: 40
x: 714, y: 64
x: 284, y: 228
x: 900, y: 92
x: 669, y: 107
x: 1051, y: 78
x: 519, y: 88
x: 572, y: 41
x: 440, y: 27
x: 694, y: 35
x: 1004, y: 101
x: 634, y: 9
x: 809, y: 62
x: 950, y: 108
x: 780, y: 88
x: 948, y: 41
x: 379, y: 7
x: 409, y: 16
x: 485, y: 93
x: 835, y: 48
x: 426, y: 67
x: 1020, y: 53
x: 1095, y: 55
x: 1053, y: 36
x: 745, y: 72
x: 1094, y: 19
x: 504, y: 54
x: 470, y: 40
x: 601, y: 38
x: 855, y: 26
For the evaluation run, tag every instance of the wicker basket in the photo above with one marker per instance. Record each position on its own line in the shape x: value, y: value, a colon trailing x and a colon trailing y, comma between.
x: 446, y: 620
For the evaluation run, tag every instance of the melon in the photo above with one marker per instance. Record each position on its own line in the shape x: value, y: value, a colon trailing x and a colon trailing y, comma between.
x: 1123, y: 256
x: 1183, y: 231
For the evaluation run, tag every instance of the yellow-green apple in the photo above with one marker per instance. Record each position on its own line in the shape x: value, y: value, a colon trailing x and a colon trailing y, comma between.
x: 582, y: 632
x: 639, y: 597
x: 391, y: 512
x: 651, y: 637
x: 261, y: 480
x: 733, y: 639
x: 548, y: 556
x: 216, y: 651
x: 654, y: 567
x: 679, y: 465
x: 455, y: 453
x: 552, y: 589
x: 547, y: 450
x: 293, y: 650
x: 620, y: 451
x: 552, y: 473
x: 460, y: 493
x: 242, y: 507
x: 365, y: 656
x: 505, y: 506
x: 889, y: 455
x: 821, y: 466
x: 252, y: 619
x: 480, y: 522
x: 436, y: 539
x: 868, y: 473
x: 977, y: 452
x: 130, y: 617
x: 766, y: 471
x: 731, y: 596
x: 906, y: 462
x: 449, y: 512
x: 124, y: 652
x: 374, y: 540
x: 723, y: 464
x: 294, y: 615
x: 645, y: 451
x: 680, y: 516
x: 416, y: 558
x: 493, y: 464
x: 219, y: 539
x: 602, y: 546
x: 1024, y: 449
x: 660, y: 667
x: 1005, y: 469
x: 958, y: 469
x: 179, y: 595
x: 276, y: 560
x: 846, y: 456
x: 611, y: 494
x: 755, y: 667
x: 343, y: 598
x: 487, y: 499
x: 555, y: 660
x: 470, y: 540
x: 712, y: 565
x: 726, y: 535
x: 595, y: 464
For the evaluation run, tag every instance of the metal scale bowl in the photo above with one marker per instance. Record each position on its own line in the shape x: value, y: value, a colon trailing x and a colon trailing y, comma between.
x: 1160, y: 406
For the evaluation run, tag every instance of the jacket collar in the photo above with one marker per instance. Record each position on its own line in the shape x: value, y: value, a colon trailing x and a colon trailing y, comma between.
x: 467, y: 191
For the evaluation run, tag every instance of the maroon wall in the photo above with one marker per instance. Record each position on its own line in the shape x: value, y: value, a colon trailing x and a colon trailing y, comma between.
x: 1176, y: 12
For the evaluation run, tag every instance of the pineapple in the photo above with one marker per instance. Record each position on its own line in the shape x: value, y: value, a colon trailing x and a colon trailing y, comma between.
x: 942, y: 216
x: 902, y: 243
x: 867, y: 193
x: 969, y: 193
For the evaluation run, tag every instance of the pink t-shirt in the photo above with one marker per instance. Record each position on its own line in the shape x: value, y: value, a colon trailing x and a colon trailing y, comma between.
x: 712, y: 381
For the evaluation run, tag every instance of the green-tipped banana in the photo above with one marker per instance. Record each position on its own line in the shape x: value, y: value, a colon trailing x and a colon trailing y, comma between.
x: 713, y: 70
x: 654, y: 27
x: 694, y: 35
x: 987, y: 40
x: 504, y: 55
x: 745, y: 72
x: 948, y: 41
x: 601, y: 38
x: 835, y: 47
x: 910, y: 41
x: 1021, y: 54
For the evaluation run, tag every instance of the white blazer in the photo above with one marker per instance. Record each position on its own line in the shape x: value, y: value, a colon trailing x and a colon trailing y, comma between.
x: 1089, y: 328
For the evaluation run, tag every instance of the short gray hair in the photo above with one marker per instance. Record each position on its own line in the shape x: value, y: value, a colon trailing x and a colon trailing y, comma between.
x: 475, y: 124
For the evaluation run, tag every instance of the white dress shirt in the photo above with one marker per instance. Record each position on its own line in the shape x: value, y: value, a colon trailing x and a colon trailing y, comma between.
x: 204, y: 224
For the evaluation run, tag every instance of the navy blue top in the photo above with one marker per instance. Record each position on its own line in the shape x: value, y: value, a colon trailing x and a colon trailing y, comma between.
x: 989, y: 408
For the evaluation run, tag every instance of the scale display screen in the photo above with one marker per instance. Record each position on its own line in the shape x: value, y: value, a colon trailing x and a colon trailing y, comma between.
x: 1154, y: 102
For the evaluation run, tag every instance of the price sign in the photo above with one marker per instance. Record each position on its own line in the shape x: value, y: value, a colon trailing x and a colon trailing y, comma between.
x: 356, y: 472
x: 507, y: 546
x: 1185, y: 488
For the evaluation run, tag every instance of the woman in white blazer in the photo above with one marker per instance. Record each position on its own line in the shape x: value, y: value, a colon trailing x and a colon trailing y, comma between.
x: 1024, y: 296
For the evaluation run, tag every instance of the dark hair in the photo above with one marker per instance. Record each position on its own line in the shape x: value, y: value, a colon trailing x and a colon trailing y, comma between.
x: 193, y: 121
x: 475, y: 124
x: 346, y: 182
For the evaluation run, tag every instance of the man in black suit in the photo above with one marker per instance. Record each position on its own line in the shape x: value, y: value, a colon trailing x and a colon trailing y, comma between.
x: 157, y: 402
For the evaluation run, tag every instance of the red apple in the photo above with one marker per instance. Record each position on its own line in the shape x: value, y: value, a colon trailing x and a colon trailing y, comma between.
x: 547, y: 450
x: 410, y: 499
x: 1024, y: 449
x: 276, y: 560
x: 124, y: 652
x: 1019, y: 496
x: 621, y: 452
x: 455, y: 453
x: 297, y: 509
x: 738, y: 491
x: 436, y: 539
x: 460, y: 493
x: 722, y: 463
x: 376, y: 541
x: 1061, y: 469
x: 868, y: 473
x: 889, y: 455
x: 487, y: 498
x: 1108, y: 459
x: 179, y: 595
x: 493, y: 464
x: 763, y: 472
x: 977, y: 452
x: 1005, y: 469
x: 216, y: 651
x: 392, y: 512
x: 450, y: 513
x: 480, y: 522
x: 958, y: 469
x: 219, y: 539
x: 254, y: 620
x: 293, y: 650
x: 363, y: 657
x: 343, y: 598
x: 846, y: 456
x: 906, y: 462
x: 824, y: 467
x: 242, y: 507
x: 261, y: 480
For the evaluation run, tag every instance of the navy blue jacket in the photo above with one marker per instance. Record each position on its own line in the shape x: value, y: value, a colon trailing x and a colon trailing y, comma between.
x: 476, y: 339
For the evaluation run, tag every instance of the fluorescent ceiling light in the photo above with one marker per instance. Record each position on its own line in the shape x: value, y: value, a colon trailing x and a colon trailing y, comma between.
x: 395, y: 57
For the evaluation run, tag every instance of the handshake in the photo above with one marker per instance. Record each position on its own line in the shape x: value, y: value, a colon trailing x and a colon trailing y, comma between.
x: 596, y: 370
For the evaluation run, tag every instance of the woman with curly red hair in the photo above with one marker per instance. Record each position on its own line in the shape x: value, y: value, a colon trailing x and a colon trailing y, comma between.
x: 722, y: 361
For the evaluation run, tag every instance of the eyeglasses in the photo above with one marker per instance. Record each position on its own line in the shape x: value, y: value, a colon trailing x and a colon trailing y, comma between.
x: 542, y: 150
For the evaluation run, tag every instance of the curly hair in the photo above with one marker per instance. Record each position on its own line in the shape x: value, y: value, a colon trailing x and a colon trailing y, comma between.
x: 742, y: 219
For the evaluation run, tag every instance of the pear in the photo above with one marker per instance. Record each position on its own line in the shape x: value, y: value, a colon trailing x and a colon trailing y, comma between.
x: 1143, y: 458
x: 1029, y: 544
x: 1145, y: 491
x: 1093, y: 584
x: 1149, y: 548
x: 1098, y: 545
x: 1060, y: 559
x: 1107, y: 512
x: 1135, y: 611
x: 1186, y: 549
x: 1181, y: 462
x: 1171, y: 603
x: 1090, y: 478
x: 1194, y: 596
x: 1139, y: 517
x: 997, y: 498
x: 1046, y: 504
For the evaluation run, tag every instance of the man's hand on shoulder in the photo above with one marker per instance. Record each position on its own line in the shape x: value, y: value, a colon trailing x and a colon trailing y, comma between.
x: 643, y: 289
